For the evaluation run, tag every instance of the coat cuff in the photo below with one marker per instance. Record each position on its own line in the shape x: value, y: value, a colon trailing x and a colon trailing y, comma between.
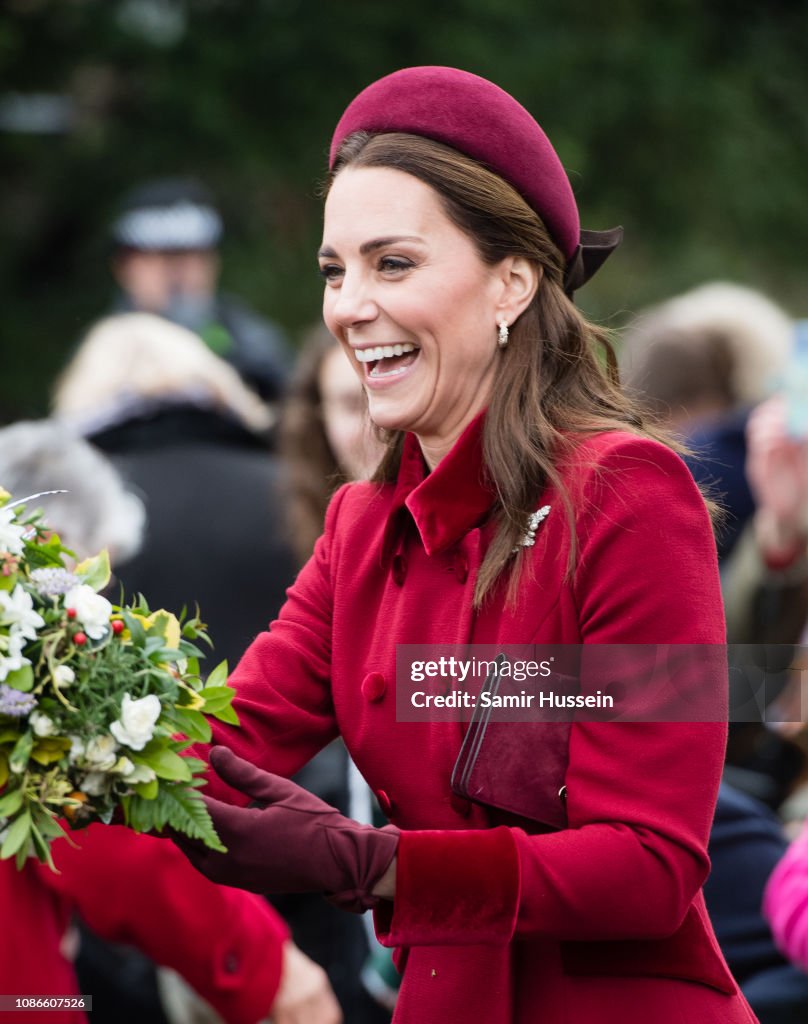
x: 247, y: 968
x: 452, y: 888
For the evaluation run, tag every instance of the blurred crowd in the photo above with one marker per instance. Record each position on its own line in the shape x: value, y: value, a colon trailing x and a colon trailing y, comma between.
x: 192, y: 445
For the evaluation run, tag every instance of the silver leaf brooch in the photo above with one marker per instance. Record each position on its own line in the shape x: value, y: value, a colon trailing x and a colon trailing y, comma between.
x: 533, y: 522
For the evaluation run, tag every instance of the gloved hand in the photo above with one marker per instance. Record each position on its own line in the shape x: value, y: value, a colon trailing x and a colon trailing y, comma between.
x: 293, y: 842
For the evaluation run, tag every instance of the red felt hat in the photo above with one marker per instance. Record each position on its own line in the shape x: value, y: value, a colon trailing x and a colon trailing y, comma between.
x: 481, y: 120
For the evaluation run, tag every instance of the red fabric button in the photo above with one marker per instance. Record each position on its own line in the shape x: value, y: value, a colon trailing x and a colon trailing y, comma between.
x: 461, y: 567
x: 399, y: 569
x: 460, y: 805
x: 373, y: 686
x: 385, y: 803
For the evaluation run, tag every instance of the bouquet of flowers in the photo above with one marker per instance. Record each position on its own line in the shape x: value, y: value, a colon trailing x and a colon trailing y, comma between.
x: 97, y: 701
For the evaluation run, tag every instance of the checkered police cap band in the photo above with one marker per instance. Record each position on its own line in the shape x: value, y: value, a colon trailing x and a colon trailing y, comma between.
x: 182, y: 225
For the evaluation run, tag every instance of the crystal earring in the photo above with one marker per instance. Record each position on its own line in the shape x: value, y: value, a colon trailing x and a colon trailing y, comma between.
x: 502, y: 337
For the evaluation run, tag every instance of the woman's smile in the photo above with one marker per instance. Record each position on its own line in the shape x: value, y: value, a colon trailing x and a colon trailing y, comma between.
x: 382, y: 362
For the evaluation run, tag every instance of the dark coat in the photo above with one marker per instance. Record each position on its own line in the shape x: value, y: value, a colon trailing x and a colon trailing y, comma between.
x: 717, y: 461
x: 746, y: 842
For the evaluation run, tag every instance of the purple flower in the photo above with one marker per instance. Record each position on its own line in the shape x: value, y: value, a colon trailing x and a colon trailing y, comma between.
x: 54, y: 581
x: 15, y: 703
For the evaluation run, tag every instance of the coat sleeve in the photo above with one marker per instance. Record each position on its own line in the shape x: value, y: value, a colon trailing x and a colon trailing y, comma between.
x: 640, y: 795
x: 283, y: 682
x: 142, y: 891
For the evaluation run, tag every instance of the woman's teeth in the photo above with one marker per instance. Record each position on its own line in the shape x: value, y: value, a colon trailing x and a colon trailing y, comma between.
x: 372, y: 355
x: 377, y: 370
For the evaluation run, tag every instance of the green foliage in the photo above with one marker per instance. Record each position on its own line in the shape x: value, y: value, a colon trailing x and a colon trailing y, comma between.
x: 163, y: 761
x: 183, y: 808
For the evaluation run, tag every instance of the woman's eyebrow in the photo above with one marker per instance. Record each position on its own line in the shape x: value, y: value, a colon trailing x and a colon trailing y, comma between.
x: 380, y: 243
x: 367, y: 247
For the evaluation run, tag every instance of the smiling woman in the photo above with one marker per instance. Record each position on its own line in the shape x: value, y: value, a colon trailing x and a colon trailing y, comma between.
x: 522, y: 499
x: 405, y: 276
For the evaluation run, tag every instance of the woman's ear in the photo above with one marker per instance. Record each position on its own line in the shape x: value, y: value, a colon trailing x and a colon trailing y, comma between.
x: 520, y: 279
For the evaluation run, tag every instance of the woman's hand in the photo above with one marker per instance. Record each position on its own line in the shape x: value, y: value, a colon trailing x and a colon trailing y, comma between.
x: 777, y: 470
x: 304, y: 995
x: 290, y: 841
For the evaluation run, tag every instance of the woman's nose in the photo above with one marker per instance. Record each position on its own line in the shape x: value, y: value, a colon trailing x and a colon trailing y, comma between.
x: 353, y: 303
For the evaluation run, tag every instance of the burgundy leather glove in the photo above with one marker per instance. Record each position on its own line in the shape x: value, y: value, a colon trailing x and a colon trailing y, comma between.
x: 293, y: 842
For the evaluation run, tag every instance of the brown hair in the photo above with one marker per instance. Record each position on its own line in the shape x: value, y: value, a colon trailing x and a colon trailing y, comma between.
x: 312, y: 470
x: 551, y: 382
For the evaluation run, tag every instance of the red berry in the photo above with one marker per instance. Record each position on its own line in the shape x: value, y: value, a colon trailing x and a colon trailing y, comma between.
x: 79, y: 639
x: 117, y: 626
x: 71, y: 613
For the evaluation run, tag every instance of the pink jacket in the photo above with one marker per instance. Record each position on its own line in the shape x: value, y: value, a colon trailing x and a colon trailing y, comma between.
x: 604, y: 921
x: 785, y: 902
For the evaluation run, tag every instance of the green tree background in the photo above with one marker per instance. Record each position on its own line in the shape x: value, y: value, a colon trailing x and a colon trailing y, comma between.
x: 683, y: 120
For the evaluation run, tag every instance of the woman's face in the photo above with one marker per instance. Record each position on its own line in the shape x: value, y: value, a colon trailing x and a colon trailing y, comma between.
x: 345, y: 420
x: 412, y: 304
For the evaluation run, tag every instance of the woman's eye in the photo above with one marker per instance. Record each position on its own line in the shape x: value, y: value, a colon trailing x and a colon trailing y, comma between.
x: 330, y: 271
x: 394, y: 264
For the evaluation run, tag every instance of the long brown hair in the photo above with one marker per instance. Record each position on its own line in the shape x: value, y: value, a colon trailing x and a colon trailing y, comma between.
x: 557, y: 378
x: 312, y: 470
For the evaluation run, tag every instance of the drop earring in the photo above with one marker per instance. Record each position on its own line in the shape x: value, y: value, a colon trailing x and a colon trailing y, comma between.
x: 502, y: 337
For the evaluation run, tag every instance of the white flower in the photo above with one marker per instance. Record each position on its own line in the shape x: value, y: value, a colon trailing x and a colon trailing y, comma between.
x: 133, y: 773
x: 95, y: 783
x: 13, y: 658
x: 11, y: 664
x: 42, y: 725
x: 100, y: 753
x: 63, y: 675
x: 135, y: 727
x: 11, y: 535
x: 92, y: 610
x: 17, y: 610
x: 140, y: 773
x: 77, y: 749
x: 15, y: 642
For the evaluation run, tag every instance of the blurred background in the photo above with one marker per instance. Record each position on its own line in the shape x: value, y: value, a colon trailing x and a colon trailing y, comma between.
x: 686, y: 122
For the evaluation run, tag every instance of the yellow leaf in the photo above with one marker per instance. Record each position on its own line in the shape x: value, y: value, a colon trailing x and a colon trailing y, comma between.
x: 170, y: 625
x: 3, y: 769
x: 95, y: 572
x: 196, y: 701
x: 50, y: 749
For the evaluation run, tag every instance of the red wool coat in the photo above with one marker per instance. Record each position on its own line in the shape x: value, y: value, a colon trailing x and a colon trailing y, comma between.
x: 141, y: 891
x: 604, y: 921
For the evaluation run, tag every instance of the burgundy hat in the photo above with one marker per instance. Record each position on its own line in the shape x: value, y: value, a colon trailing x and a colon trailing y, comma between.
x: 481, y: 120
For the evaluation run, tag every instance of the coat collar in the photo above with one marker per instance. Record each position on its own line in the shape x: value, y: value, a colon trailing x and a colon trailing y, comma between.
x: 446, y: 503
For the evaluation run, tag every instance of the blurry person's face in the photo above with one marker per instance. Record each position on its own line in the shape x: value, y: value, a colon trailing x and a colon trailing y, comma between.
x: 154, y: 281
x: 345, y: 419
